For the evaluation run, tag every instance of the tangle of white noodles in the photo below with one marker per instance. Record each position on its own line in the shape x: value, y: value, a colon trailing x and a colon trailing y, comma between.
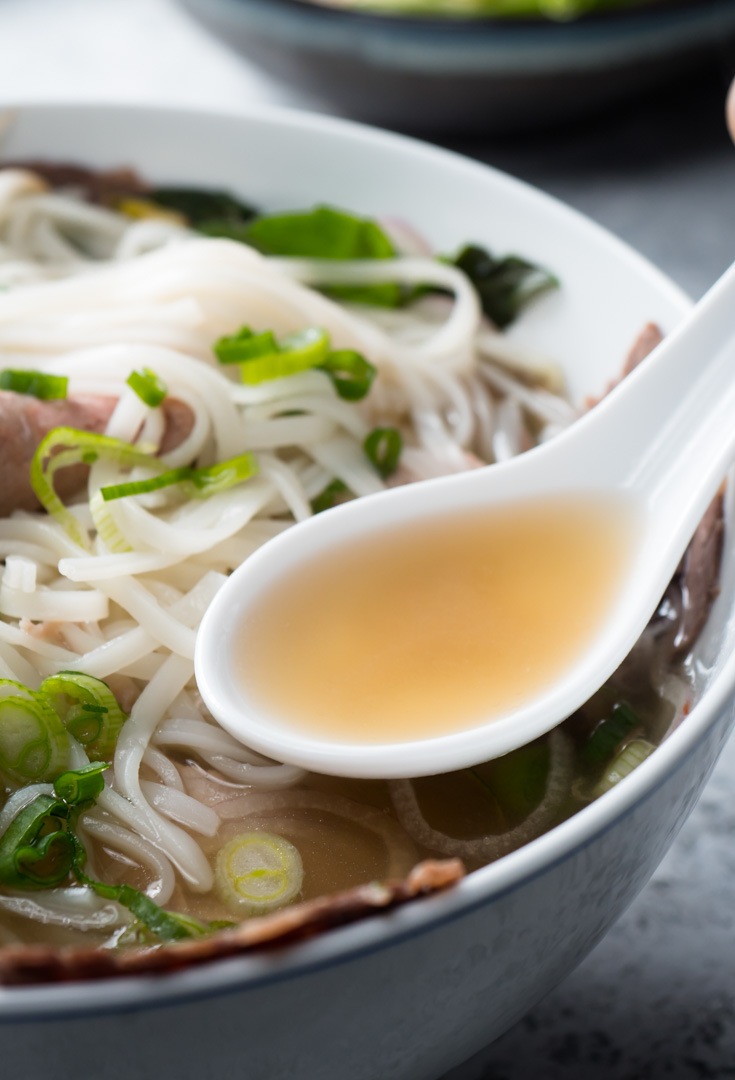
x: 94, y: 296
x: 108, y: 832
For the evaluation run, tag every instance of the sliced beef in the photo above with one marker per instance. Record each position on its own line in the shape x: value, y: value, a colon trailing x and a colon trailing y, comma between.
x: 25, y: 421
x: 686, y: 604
x: 649, y: 337
x: 179, y: 422
x: 691, y: 594
x: 105, y: 186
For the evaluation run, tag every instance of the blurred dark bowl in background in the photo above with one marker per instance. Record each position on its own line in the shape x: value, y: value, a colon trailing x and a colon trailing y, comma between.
x: 477, y: 75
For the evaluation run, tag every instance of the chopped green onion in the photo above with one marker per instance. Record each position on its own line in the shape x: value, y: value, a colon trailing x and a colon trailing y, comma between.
x: 299, y: 351
x: 150, y: 389
x: 166, y: 925
x: 262, y: 358
x: 245, y: 345
x: 81, y: 785
x: 34, y: 745
x: 36, y: 851
x: 34, y: 383
x: 327, y: 498
x: 203, y: 209
x: 67, y: 446
x: 350, y: 372
x: 196, y: 483
x: 609, y: 733
x: 383, y: 448
x: 629, y: 758
x: 39, y: 850
x: 88, y: 709
x: 258, y: 872
x: 505, y: 286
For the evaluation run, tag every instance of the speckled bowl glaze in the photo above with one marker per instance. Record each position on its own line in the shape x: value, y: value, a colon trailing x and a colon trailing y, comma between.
x: 461, y: 75
x: 407, y: 995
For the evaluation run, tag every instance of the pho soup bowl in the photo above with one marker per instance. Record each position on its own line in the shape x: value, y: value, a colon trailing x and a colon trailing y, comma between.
x: 450, y: 74
x: 410, y: 993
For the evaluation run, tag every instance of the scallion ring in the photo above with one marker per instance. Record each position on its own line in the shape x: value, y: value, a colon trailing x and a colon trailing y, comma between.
x: 35, y: 384
x: 150, y: 389
x: 245, y: 345
x: 629, y: 758
x: 67, y: 446
x: 81, y: 785
x: 262, y: 358
x: 258, y: 872
x: 88, y: 709
x: 36, y: 850
x: 350, y: 372
x: 383, y: 448
x: 34, y: 745
x: 327, y: 498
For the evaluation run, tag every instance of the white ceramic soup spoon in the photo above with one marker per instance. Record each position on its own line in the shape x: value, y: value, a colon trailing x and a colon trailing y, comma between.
x: 654, y: 451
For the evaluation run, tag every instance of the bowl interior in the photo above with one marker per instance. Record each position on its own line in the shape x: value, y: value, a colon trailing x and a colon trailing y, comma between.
x: 278, y: 159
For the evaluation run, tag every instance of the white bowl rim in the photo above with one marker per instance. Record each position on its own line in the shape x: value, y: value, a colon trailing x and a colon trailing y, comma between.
x: 383, y: 930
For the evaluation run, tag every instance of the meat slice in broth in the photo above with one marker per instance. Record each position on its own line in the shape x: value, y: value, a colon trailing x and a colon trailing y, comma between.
x: 25, y: 421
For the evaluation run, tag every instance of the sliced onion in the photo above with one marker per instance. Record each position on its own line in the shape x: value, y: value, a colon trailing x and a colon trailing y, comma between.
x: 490, y: 847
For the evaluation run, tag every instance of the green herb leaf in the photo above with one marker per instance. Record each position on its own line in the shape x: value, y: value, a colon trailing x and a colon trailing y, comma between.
x: 202, y: 208
x: 321, y: 233
x: 34, y: 383
x: 505, y: 286
x: 327, y: 233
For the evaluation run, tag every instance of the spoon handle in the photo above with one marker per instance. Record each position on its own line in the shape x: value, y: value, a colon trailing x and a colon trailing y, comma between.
x: 667, y: 433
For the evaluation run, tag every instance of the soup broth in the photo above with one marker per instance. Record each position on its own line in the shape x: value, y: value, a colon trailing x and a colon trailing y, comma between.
x: 174, y: 393
x: 438, y: 626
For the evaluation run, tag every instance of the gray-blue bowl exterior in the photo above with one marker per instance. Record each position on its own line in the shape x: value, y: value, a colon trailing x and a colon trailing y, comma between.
x: 375, y: 1019
x: 466, y: 74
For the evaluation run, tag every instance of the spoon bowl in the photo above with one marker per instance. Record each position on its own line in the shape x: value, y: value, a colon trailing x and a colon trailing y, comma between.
x: 653, y: 453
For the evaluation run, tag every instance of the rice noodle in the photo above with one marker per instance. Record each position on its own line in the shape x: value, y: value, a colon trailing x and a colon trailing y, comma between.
x: 74, y: 907
x: 93, y: 296
x: 98, y: 825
